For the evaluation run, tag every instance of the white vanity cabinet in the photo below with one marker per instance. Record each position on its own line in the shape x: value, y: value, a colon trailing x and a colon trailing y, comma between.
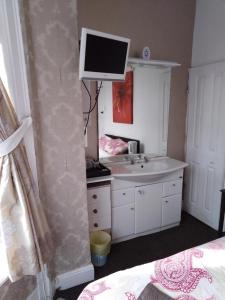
x: 143, y: 208
x: 99, y: 207
x: 131, y: 208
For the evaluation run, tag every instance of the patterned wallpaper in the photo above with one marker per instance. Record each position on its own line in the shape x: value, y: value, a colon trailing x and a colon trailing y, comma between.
x: 51, y: 35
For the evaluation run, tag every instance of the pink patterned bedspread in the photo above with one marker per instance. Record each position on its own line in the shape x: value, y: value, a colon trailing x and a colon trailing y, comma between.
x: 194, y: 274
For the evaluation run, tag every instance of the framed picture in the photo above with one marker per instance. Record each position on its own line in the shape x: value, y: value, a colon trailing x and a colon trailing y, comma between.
x: 122, y: 95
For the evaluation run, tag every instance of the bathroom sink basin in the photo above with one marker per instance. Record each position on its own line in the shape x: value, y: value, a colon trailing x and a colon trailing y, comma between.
x: 153, y: 167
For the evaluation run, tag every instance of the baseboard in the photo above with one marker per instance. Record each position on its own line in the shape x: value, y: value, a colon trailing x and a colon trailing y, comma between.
x: 75, y: 277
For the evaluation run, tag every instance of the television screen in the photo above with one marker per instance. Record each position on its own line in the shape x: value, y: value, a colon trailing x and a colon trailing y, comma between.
x: 103, y: 56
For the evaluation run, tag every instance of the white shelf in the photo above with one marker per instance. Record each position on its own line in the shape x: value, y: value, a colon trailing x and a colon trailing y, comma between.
x: 158, y: 63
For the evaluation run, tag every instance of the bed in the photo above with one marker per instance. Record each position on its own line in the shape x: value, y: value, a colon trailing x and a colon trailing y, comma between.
x: 194, y: 274
x: 107, y: 145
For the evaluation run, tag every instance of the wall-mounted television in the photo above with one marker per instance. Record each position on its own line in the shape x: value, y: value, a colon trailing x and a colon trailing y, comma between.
x: 103, y: 56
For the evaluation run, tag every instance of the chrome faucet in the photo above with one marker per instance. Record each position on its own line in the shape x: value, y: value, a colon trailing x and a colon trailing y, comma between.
x: 146, y: 159
x: 127, y: 158
x: 131, y: 160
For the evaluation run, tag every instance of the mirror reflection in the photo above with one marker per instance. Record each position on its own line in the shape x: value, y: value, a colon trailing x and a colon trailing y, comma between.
x: 133, y: 115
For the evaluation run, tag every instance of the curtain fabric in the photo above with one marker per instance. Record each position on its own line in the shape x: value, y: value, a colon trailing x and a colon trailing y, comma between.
x: 24, y: 231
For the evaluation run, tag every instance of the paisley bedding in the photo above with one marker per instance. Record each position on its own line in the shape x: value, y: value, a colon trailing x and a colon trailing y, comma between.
x: 194, y: 274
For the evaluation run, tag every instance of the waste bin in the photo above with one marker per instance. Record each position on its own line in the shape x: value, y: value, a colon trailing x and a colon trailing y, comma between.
x: 100, y: 247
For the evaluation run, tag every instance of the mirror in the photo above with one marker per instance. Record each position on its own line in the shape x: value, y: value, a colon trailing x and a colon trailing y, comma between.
x: 146, y: 122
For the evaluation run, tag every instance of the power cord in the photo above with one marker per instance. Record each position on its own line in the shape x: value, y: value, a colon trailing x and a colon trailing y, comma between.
x: 90, y: 108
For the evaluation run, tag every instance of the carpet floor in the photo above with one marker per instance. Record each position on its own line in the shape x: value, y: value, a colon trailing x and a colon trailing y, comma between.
x: 190, y: 233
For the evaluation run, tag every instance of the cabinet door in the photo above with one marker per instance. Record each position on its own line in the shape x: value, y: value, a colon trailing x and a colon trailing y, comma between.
x: 171, y: 210
x: 122, y: 221
x: 148, y: 211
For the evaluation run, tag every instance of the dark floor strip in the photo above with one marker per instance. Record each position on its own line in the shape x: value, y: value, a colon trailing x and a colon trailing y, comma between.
x: 147, y: 248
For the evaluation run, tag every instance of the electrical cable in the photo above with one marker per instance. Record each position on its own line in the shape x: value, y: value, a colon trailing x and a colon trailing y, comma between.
x: 86, y: 90
x: 97, y: 92
x: 88, y: 116
x: 96, y: 97
x: 91, y: 108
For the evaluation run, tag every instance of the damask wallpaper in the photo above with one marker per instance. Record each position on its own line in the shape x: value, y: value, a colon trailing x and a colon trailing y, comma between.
x: 51, y: 45
x: 55, y: 93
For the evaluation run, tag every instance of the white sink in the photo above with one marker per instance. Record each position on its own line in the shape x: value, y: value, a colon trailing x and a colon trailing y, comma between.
x: 153, y: 167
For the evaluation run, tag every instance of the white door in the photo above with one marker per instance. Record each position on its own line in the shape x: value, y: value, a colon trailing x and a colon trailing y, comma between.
x: 148, y: 214
x: 122, y: 221
x: 171, y: 210
x: 205, y: 142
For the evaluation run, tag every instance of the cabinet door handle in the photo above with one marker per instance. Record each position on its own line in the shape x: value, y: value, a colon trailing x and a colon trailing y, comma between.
x: 95, y: 224
x: 141, y: 192
x: 132, y: 208
x: 166, y: 201
x: 95, y: 211
x: 174, y: 184
x: 124, y: 194
x: 94, y: 196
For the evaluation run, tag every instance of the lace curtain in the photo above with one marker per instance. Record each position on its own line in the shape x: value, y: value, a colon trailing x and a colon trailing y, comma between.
x: 24, y: 231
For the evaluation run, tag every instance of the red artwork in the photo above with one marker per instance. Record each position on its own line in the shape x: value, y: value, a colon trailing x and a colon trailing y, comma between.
x: 122, y: 93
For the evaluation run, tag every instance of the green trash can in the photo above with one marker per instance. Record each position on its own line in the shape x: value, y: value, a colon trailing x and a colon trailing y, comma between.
x: 100, y: 247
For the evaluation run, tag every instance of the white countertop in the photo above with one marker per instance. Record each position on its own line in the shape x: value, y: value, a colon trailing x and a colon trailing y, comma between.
x: 100, y: 179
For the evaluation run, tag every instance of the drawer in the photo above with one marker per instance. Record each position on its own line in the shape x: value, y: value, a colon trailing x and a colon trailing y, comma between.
x: 98, y: 193
x: 99, y: 222
x: 122, y: 197
x: 172, y: 187
x: 99, y: 213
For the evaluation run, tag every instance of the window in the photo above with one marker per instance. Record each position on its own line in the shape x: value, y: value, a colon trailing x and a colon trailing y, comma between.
x: 3, y: 75
x: 3, y: 269
x: 15, y: 81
